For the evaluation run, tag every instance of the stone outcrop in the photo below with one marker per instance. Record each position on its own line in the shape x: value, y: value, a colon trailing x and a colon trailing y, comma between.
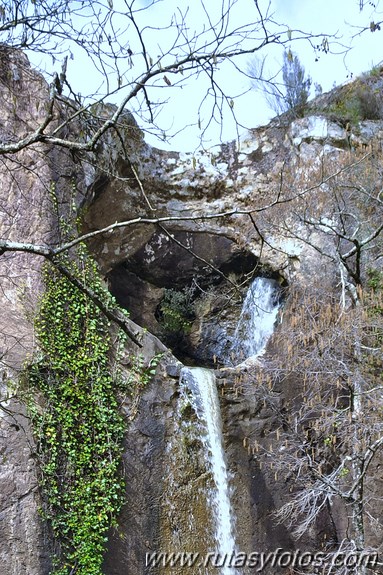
x: 26, y: 215
x: 193, y: 249
x: 181, y: 241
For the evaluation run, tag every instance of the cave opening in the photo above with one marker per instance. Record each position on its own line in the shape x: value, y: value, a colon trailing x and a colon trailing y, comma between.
x: 188, y: 292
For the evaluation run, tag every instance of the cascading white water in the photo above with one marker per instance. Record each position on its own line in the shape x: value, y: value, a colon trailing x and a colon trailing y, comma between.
x: 257, y: 319
x: 255, y: 326
x: 201, y: 382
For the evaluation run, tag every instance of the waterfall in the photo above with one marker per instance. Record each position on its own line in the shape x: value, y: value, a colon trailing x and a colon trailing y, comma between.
x: 205, y: 400
x: 198, y: 387
x: 257, y: 319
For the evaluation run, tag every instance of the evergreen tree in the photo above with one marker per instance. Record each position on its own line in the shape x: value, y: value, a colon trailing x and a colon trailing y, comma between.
x: 297, y: 85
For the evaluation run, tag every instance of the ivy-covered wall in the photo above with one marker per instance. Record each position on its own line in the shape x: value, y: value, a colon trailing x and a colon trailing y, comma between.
x: 76, y: 418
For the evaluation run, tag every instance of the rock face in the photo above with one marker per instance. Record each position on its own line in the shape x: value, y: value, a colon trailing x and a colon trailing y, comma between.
x: 206, y: 223
x: 26, y: 215
x: 25, y: 543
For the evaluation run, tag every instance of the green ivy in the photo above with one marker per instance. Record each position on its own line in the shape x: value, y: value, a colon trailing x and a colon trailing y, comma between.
x: 375, y: 279
x: 374, y: 298
x: 373, y: 301
x: 77, y: 421
x: 177, y: 311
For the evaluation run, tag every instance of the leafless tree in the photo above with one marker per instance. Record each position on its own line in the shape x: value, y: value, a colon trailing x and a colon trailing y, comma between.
x: 330, y: 437
x: 339, y: 215
x: 114, y: 41
x: 328, y: 445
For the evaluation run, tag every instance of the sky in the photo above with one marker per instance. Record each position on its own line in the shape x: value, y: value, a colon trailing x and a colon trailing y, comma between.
x: 340, y: 17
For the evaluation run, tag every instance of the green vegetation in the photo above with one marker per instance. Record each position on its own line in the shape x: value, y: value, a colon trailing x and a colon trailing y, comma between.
x: 373, y: 300
x: 291, y: 96
x: 357, y: 101
x: 375, y: 279
x: 177, y: 311
x: 77, y: 423
x: 352, y: 103
x: 296, y: 84
x: 375, y: 71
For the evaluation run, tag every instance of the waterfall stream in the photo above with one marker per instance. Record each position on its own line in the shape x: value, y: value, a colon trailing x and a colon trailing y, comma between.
x: 255, y: 326
x: 205, y: 400
x: 257, y: 319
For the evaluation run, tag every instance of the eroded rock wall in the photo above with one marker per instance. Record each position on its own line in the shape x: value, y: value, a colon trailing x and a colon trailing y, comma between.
x: 26, y: 216
x: 139, y: 261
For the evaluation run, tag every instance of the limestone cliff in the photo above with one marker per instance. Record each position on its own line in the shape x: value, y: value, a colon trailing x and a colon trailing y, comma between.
x: 261, y: 206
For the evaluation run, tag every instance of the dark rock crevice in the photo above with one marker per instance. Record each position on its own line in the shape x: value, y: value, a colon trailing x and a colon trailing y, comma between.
x: 203, y: 266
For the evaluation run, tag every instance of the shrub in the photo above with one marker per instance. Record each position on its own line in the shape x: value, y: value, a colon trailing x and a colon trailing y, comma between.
x: 177, y: 311
x: 369, y: 103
